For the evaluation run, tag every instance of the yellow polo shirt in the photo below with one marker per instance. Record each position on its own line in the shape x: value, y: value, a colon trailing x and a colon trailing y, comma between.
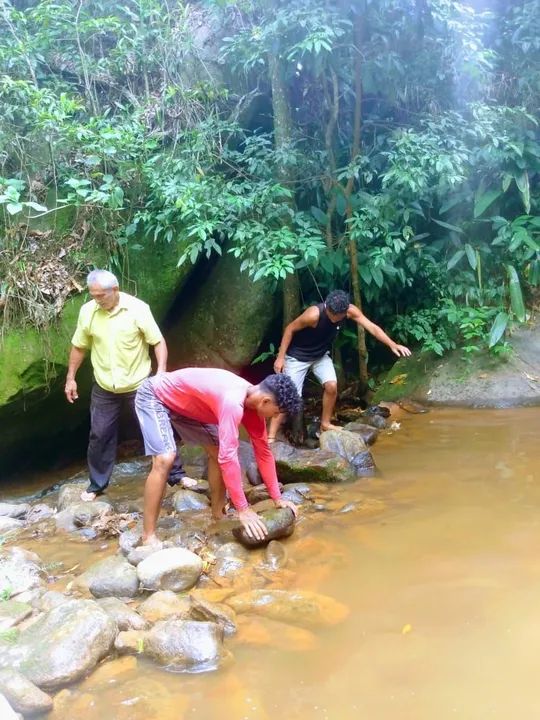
x: 118, y: 341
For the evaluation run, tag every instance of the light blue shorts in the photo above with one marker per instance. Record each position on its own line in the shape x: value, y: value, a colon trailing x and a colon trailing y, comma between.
x: 322, y: 368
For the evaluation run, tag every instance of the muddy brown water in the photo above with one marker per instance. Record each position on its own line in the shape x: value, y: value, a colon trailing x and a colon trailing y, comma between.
x: 439, y: 565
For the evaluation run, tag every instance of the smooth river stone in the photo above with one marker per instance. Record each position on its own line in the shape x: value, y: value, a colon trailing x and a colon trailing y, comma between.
x: 279, y: 523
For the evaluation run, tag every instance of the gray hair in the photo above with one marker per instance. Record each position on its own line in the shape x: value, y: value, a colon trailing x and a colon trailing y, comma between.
x: 103, y: 278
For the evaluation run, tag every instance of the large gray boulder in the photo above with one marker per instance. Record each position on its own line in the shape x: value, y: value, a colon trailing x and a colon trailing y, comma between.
x: 300, y: 465
x: 164, y: 604
x: 175, y: 569
x: 20, y: 571
x: 62, y: 646
x: 189, y: 500
x: 186, y: 645
x: 112, y: 577
x: 23, y: 695
x: 14, y: 510
x: 219, y: 613
x: 351, y: 446
x: 125, y: 617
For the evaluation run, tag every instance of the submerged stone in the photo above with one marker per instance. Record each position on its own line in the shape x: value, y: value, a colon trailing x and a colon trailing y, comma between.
x: 23, y: 695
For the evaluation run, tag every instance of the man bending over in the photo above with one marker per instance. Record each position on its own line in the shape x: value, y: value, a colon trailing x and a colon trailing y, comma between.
x: 206, y: 406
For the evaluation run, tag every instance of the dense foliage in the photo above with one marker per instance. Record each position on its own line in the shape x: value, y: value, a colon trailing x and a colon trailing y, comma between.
x: 386, y: 146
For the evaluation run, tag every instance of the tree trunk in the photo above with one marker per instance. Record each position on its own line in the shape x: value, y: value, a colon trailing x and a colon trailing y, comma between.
x: 283, y: 140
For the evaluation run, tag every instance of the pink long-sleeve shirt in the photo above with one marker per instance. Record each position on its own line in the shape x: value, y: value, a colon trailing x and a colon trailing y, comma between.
x: 217, y: 397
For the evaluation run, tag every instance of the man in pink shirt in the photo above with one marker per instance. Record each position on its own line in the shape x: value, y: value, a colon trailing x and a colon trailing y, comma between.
x: 206, y: 406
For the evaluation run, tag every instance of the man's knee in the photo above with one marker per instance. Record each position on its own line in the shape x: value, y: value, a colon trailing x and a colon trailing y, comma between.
x: 330, y: 388
x: 163, y: 463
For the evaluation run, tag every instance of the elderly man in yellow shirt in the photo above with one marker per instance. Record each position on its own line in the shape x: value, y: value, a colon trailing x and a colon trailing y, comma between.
x: 118, y: 329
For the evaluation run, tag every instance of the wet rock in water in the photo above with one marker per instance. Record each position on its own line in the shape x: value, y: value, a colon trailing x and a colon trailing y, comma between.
x: 214, y: 612
x: 112, y: 577
x: 70, y: 494
x: 279, y: 523
x: 186, y: 645
x: 130, y: 642
x: 350, y: 446
x: 175, y: 569
x: 140, y: 466
x: 259, y: 631
x: 276, y: 555
x: 140, y: 553
x: 6, y: 711
x: 81, y: 514
x: 189, y: 500
x: 368, y: 433
x: 257, y: 494
x: 376, y: 421
x: 164, y: 604
x: 300, y: 465
x: 38, y: 513
x: 63, y: 645
x: 412, y: 407
x: 125, y: 617
x: 380, y: 410
x: 349, y: 507
x: 12, y: 612
x: 298, y: 607
x: 14, y: 510
x: 8, y: 524
x: 297, y: 493
x: 23, y: 695
x: 194, y: 540
x: 112, y: 670
x: 20, y: 571
x: 52, y: 599
x: 128, y: 539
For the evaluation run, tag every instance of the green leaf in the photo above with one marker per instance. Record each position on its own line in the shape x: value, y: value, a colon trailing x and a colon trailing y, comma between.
x: 483, y: 200
x: 516, y: 295
x: 455, y: 259
x: 36, y: 206
x: 450, y: 203
x: 471, y: 256
x: 448, y: 226
x: 319, y: 216
x: 507, y: 179
x: 497, y: 329
x: 522, y: 181
x: 14, y: 208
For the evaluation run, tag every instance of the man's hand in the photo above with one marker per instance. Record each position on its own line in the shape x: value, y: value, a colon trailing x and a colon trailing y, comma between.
x: 71, y: 391
x: 281, y: 503
x: 253, y: 524
x: 400, y: 350
x: 278, y: 365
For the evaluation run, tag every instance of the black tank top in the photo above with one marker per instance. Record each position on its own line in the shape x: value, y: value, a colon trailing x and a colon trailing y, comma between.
x: 312, y: 343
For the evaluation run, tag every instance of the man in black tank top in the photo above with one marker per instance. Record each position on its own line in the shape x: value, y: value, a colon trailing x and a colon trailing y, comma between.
x: 306, y: 346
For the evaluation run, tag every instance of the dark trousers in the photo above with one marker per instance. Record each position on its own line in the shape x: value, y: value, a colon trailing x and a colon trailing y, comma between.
x: 105, y: 409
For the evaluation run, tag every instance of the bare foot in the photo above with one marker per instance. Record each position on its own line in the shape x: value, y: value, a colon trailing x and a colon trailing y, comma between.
x: 187, y: 482
x: 88, y: 496
x: 330, y: 427
x: 271, y: 440
x: 152, y: 541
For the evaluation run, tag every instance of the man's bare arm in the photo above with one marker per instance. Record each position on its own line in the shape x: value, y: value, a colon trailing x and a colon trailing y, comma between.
x: 76, y: 357
x: 309, y: 318
x: 354, y: 313
x: 161, y: 353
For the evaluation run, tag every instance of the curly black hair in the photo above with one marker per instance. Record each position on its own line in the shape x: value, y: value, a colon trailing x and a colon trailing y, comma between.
x: 284, y: 391
x: 337, y: 302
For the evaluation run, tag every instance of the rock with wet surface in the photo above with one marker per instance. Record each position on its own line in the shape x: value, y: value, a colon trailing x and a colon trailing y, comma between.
x: 214, y: 612
x: 263, y: 632
x: 189, y: 500
x: 279, y: 523
x: 300, y: 465
x: 368, y: 433
x: 164, y: 604
x: 52, y: 599
x: 297, y: 493
x: 8, y: 524
x: 186, y: 645
x: 130, y: 642
x: 23, y: 695
x: 112, y: 577
x: 38, y: 513
x: 297, y: 607
x: 350, y: 446
x: 125, y: 617
x: 276, y: 555
x: 6, y: 711
x: 69, y: 494
x: 129, y: 539
x: 12, y: 612
x: 14, y: 510
x: 20, y: 571
x: 81, y: 514
x: 173, y: 569
x: 62, y: 646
